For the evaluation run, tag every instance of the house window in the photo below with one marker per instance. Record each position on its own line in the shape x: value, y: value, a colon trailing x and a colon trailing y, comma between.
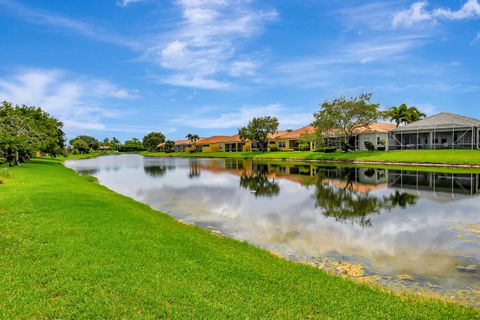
x: 272, y: 142
x: 220, y: 147
x: 281, y: 144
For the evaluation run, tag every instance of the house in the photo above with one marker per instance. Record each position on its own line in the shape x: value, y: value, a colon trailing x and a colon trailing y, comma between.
x: 223, y: 144
x: 441, y: 131
x: 183, y: 145
x: 290, y: 139
x: 376, y: 133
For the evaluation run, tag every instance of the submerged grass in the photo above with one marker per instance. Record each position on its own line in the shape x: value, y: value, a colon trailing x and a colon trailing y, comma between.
x: 446, y: 157
x: 70, y: 248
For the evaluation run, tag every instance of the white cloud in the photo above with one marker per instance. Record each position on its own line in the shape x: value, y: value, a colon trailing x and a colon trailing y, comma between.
x: 240, y: 68
x: 205, y: 43
x: 124, y: 3
x: 323, y: 70
x: 74, y: 100
x: 214, y: 119
x: 47, y: 18
x: 418, y: 13
x: 477, y: 39
x: 182, y: 80
x: 471, y: 9
x: 195, y: 51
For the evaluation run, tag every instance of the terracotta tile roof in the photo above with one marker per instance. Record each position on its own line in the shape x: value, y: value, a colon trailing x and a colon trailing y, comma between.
x: 295, y: 134
x: 276, y: 134
x: 219, y: 139
x: 182, y: 142
x: 377, y: 127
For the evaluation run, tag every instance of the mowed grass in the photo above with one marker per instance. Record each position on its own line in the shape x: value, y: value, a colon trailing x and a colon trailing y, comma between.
x: 70, y: 248
x: 461, y: 157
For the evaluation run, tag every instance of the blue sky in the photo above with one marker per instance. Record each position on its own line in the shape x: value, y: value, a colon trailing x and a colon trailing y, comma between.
x: 127, y: 67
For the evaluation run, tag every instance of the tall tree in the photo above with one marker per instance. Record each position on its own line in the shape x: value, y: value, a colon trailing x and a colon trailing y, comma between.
x: 114, y: 143
x: 133, y: 145
x: 344, y: 116
x: 92, y: 142
x: 152, y: 140
x: 80, y: 145
x: 25, y: 130
x: 258, y: 129
x: 169, y: 145
x: 193, y: 138
x: 404, y: 114
x: 413, y: 114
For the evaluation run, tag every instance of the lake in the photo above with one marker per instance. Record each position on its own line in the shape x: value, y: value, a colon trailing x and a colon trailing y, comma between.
x: 402, y: 229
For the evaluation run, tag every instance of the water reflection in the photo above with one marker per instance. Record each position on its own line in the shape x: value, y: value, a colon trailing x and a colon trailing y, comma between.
x: 259, y: 183
x: 390, y: 221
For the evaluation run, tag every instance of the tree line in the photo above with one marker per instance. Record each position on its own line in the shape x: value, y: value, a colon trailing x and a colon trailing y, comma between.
x: 25, y: 130
x: 342, y: 117
x: 150, y: 142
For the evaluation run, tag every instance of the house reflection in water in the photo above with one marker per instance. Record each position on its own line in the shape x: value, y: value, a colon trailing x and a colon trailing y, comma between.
x: 435, y: 185
x: 261, y: 178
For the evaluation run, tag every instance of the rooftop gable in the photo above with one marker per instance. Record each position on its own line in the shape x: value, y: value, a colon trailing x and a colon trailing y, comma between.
x: 295, y: 134
x: 441, y: 120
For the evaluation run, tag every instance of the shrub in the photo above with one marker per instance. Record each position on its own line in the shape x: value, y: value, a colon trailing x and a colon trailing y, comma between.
x: 370, y: 146
x: 326, y: 149
x: 75, y: 151
x: 274, y: 149
x: 192, y: 151
x: 304, y: 147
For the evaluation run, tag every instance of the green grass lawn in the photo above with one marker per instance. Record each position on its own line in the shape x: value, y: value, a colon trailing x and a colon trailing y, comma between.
x: 464, y: 157
x: 70, y: 248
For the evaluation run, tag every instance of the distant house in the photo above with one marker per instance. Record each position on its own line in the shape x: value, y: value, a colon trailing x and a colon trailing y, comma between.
x: 441, y: 131
x: 289, y: 140
x: 223, y: 144
x: 376, y: 133
x: 183, y: 145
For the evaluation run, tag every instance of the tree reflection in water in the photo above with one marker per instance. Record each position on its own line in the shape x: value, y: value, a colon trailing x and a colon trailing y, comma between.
x: 259, y: 183
x: 194, y: 169
x: 344, y: 203
x: 155, y: 171
x: 402, y: 199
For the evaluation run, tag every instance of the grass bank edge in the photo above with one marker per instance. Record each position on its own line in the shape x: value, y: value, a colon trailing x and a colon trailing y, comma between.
x: 378, y: 292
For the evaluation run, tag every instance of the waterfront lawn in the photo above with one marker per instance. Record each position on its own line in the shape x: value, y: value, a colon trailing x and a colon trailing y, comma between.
x: 70, y: 248
x: 404, y: 156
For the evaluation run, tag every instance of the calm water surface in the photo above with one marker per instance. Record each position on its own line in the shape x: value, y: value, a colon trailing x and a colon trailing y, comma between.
x: 402, y: 229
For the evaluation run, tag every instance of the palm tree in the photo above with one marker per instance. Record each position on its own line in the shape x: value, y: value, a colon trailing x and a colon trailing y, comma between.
x: 397, y: 114
x: 413, y: 114
x: 404, y: 114
x: 193, y: 138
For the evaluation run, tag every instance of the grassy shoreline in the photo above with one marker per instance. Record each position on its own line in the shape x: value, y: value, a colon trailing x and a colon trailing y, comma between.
x: 445, y: 158
x: 74, y: 249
